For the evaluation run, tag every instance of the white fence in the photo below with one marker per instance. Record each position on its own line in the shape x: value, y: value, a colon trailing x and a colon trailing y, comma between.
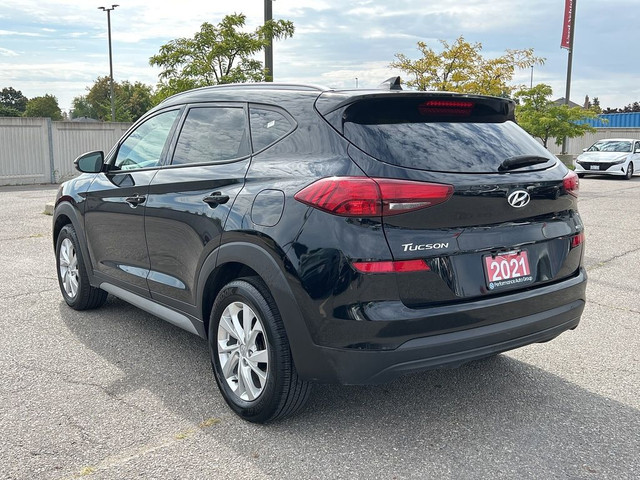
x: 37, y: 150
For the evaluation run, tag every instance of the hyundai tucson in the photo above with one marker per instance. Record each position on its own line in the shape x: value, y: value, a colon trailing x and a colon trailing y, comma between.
x: 320, y: 235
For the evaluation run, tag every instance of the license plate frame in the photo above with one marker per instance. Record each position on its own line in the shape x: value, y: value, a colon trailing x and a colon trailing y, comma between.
x: 507, y: 269
x: 594, y: 167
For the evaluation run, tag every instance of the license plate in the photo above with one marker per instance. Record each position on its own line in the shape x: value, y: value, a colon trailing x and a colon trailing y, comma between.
x: 594, y: 167
x: 511, y: 268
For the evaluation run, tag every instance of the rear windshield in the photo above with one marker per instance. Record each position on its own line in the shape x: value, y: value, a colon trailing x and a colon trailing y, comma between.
x: 465, y: 142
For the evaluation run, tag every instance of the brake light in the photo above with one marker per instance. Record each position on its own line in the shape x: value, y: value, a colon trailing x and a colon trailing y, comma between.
x: 571, y: 183
x: 372, y: 197
x: 401, y: 266
x: 577, y: 240
x: 446, y: 108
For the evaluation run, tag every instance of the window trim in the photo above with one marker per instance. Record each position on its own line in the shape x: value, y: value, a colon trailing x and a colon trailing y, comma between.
x: 113, y: 153
x: 180, y: 125
x: 282, y: 111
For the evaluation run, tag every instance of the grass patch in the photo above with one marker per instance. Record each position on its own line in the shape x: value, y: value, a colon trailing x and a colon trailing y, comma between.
x: 86, y: 471
x: 209, y: 422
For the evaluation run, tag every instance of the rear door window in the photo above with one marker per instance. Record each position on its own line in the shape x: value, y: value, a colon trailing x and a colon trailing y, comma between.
x: 268, y: 126
x: 212, y: 134
x: 466, y: 140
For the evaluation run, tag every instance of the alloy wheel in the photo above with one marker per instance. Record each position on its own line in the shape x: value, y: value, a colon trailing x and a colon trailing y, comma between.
x: 68, y: 265
x: 243, y: 351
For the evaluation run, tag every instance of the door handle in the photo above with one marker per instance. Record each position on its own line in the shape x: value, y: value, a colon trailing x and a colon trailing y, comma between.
x: 135, y: 200
x: 215, y: 199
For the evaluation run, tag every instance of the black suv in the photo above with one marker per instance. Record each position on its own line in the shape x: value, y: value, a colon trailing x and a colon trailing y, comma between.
x: 318, y: 235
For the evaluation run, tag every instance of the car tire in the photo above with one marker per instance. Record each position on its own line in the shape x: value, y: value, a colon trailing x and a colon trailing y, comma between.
x: 252, y: 361
x: 629, y: 173
x: 72, y: 273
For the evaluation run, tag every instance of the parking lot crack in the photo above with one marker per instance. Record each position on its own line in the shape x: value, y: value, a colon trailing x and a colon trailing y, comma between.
x: 27, y: 237
x: 613, y: 307
x: 606, y: 261
x: 63, y: 377
x: 20, y: 295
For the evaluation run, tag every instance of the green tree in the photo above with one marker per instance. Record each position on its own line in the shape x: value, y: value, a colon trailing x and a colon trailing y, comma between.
x: 543, y: 118
x: 11, y: 98
x: 80, y: 107
x: 132, y: 100
x: 216, y: 54
x: 137, y: 97
x: 632, y: 107
x: 9, y: 112
x: 460, y: 67
x: 45, y: 106
x: 99, y: 98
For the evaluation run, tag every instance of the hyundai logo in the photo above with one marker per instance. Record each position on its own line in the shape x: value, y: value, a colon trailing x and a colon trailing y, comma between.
x: 519, y: 198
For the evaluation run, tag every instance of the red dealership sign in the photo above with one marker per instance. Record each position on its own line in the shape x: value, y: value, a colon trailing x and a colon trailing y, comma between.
x: 566, y: 26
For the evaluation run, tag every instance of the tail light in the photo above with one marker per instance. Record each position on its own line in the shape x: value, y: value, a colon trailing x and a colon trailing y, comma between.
x: 446, y: 108
x: 571, y: 183
x: 372, y: 197
x: 577, y: 240
x: 401, y: 266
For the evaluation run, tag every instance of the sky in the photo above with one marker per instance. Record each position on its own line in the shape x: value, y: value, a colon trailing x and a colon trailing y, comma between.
x: 60, y: 47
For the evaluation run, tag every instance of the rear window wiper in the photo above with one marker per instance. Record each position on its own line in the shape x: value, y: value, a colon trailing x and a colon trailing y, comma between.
x: 521, y: 161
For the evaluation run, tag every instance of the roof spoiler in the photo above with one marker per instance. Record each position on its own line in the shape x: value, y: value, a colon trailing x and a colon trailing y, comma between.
x: 393, y: 83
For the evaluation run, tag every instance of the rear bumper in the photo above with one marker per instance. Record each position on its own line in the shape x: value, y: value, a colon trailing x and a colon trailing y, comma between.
x: 452, y: 349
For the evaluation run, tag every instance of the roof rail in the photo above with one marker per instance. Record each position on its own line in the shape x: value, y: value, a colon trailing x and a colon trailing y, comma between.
x: 250, y: 85
x: 271, y: 85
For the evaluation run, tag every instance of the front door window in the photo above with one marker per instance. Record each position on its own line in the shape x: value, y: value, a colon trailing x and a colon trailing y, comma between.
x: 144, y: 146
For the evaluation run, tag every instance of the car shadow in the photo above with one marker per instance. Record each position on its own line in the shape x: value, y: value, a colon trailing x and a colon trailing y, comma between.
x: 498, y: 413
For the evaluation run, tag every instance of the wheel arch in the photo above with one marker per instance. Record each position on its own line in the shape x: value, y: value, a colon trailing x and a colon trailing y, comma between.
x: 241, y: 259
x: 67, y: 214
x: 58, y: 224
x: 217, y: 279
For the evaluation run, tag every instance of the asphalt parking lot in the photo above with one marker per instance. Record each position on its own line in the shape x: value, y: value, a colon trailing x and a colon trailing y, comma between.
x: 118, y: 394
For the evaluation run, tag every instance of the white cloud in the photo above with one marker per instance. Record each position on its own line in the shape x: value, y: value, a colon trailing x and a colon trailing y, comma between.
x: 9, y: 33
x: 5, y: 52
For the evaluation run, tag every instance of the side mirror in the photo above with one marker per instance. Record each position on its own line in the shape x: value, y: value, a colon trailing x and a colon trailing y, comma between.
x: 92, y: 162
x: 585, y: 149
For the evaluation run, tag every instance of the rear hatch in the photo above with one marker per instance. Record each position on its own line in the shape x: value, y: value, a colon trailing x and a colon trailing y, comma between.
x: 511, y: 222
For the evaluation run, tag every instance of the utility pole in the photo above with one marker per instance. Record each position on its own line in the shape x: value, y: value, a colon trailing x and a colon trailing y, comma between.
x: 113, y: 101
x: 268, y: 50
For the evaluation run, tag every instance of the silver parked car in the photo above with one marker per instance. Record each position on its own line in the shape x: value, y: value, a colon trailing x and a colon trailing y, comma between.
x: 611, y: 156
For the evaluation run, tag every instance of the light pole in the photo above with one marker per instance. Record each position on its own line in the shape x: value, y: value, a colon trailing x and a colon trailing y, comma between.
x: 268, y: 50
x: 113, y: 102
